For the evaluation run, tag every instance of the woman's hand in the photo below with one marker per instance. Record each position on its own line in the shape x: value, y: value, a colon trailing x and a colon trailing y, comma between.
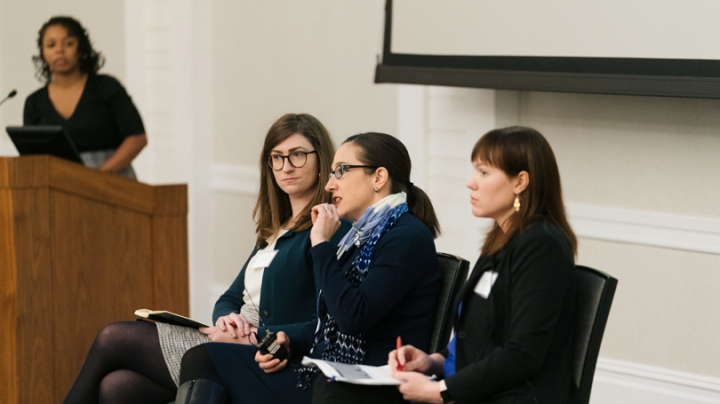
x: 411, y: 359
x: 125, y: 153
x: 269, y: 364
x: 325, y: 223
x: 217, y: 335
x: 418, y: 387
x: 236, y: 324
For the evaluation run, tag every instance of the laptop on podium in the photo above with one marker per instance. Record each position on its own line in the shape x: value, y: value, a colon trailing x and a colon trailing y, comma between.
x: 52, y: 140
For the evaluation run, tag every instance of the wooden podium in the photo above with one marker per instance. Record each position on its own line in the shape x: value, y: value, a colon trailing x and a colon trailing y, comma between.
x: 79, y: 249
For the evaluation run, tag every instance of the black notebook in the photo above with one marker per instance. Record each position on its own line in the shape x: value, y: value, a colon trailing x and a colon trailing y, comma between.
x: 167, y: 317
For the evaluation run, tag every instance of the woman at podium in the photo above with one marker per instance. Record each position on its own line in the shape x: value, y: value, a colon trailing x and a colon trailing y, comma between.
x: 93, y: 108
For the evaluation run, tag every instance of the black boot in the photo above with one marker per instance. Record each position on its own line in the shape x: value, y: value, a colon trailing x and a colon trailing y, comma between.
x: 201, y: 391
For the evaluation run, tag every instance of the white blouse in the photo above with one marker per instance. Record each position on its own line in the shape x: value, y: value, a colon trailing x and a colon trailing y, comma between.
x: 253, y: 284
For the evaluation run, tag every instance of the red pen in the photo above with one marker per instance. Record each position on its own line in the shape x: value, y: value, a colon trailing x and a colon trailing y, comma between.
x: 398, y: 344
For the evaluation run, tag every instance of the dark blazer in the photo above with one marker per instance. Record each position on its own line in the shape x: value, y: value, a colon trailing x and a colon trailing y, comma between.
x: 397, y: 297
x: 288, y: 291
x: 518, y: 342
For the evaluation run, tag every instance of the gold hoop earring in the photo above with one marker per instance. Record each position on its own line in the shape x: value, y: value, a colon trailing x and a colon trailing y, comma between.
x: 376, y: 190
x: 516, y: 204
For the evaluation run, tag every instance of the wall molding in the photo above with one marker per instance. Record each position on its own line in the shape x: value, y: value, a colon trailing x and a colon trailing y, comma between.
x: 234, y: 178
x: 688, y: 233
x: 622, y: 382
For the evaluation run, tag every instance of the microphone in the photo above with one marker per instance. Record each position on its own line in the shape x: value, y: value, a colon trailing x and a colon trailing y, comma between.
x: 12, y: 94
x: 262, y: 245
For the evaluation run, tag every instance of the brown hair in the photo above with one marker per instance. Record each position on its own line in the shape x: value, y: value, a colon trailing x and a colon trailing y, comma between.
x: 382, y: 150
x: 515, y: 149
x: 273, y: 205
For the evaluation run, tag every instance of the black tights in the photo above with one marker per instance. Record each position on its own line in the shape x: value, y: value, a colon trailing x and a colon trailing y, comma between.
x: 197, y: 364
x: 125, y: 365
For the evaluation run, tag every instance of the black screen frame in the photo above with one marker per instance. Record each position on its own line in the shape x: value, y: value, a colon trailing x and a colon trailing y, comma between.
x: 42, y: 139
x: 688, y: 78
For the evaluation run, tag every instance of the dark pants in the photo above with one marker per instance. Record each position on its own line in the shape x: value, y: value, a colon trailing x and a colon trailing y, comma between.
x: 329, y: 392
x: 234, y: 366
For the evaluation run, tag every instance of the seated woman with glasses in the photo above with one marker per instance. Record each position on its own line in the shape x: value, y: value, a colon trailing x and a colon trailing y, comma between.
x: 515, y: 321
x: 275, y: 290
x: 380, y: 282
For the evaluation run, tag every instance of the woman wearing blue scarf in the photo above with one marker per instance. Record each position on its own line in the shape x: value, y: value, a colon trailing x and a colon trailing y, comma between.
x: 380, y: 282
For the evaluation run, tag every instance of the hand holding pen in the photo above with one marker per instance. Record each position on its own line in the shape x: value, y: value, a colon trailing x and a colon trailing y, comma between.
x: 409, y: 359
x: 412, y: 366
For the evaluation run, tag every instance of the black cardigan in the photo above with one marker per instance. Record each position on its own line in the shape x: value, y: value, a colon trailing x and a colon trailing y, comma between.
x: 519, y: 341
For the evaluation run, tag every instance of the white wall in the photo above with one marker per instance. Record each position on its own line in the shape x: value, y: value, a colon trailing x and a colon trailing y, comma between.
x: 274, y: 57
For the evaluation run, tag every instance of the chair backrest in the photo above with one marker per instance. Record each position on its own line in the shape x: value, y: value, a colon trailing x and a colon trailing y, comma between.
x: 454, y: 272
x: 595, y: 291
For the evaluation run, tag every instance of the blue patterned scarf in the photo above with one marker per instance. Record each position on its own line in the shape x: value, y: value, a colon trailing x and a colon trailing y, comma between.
x: 365, y: 233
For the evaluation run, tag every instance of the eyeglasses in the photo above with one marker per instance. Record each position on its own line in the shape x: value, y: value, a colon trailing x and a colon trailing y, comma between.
x: 340, y: 170
x: 296, y: 159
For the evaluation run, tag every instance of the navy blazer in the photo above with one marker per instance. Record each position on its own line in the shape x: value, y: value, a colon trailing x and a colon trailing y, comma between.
x: 518, y: 342
x: 397, y: 297
x: 288, y: 291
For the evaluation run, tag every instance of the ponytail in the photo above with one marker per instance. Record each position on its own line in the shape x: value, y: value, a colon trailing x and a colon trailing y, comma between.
x: 420, y: 206
x: 382, y: 150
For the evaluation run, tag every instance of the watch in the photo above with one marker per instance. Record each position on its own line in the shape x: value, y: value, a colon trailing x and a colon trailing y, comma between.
x: 445, y: 394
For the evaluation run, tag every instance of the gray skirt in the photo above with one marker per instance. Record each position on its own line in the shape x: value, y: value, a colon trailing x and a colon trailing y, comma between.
x: 174, y: 342
x: 96, y: 159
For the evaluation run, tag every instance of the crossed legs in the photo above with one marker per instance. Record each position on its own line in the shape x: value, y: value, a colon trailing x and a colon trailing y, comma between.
x: 125, y: 365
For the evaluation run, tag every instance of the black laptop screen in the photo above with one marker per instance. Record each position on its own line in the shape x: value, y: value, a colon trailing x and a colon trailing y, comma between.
x: 50, y: 140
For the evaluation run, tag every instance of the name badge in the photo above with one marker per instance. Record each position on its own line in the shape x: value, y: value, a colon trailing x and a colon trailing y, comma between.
x: 484, y: 286
x: 262, y: 259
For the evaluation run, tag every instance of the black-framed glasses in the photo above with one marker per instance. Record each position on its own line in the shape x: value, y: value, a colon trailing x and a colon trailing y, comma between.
x: 340, y: 170
x: 296, y: 159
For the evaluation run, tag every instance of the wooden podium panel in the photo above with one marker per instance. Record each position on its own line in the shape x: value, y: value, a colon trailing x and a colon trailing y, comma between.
x: 79, y: 249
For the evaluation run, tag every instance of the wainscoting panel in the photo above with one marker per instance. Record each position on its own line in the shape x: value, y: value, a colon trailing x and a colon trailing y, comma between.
x: 646, y: 228
x: 619, y: 382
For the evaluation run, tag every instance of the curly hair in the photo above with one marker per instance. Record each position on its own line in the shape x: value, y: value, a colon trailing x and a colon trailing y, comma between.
x: 90, y: 60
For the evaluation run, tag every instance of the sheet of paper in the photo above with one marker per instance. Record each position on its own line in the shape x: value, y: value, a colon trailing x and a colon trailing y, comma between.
x: 355, y: 374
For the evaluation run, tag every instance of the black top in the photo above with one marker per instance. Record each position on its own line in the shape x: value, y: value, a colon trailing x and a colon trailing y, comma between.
x: 519, y: 341
x: 103, y: 118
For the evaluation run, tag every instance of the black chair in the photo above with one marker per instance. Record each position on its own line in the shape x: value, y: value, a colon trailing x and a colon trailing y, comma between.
x: 595, y: 291
x: 455, y: 271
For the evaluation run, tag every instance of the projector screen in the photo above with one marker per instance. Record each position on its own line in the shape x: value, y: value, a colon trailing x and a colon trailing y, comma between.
x: 640, y: 47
